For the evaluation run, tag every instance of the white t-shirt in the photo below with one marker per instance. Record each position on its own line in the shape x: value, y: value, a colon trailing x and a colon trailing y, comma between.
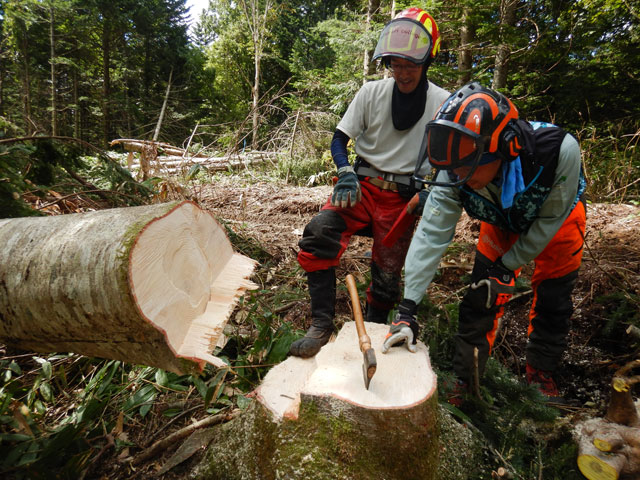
x: 368, y: 121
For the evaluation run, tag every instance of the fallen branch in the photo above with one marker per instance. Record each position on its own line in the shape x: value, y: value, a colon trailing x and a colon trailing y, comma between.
x: 181, y: 434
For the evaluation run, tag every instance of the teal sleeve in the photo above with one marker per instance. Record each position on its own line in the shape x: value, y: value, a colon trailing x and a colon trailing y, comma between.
x: 554, y: 211
x: 433, y: 234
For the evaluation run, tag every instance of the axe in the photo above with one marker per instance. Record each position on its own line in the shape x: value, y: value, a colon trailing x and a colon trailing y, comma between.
x: 369, y: 356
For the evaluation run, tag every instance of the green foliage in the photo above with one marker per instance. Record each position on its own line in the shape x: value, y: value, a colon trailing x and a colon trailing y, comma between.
x: 622, y: 309
x: 51, y: 172
x: 14, y: 160
x: 91, y: 399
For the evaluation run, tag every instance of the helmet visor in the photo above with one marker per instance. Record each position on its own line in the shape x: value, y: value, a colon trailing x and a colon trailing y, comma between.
x: 451, y: 145
x: 404, y: 38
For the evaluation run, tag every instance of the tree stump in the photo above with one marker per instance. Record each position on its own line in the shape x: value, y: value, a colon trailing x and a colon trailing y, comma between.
x: 152, y: 285
x: 609, y: 448
x: 314, y: 419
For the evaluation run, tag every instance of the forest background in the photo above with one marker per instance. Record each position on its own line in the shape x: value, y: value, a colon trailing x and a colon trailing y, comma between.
x: 258, y: 75
x: 253, y: 73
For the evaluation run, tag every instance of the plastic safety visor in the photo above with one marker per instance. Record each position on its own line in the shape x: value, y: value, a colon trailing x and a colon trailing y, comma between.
x: 404, y: 38
x: 448, y: 146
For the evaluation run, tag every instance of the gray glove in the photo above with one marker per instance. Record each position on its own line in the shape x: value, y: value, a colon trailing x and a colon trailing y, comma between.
x: 404, y: 327
x: 347, y: 191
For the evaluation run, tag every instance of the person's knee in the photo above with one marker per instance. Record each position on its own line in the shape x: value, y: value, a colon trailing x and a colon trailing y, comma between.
x: 322, y: 235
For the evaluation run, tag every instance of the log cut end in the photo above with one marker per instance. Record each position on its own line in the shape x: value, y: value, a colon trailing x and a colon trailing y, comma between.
x: 402, y: 379
x: 152, y: 285
x: 594, y: 468
x: 186, y: 280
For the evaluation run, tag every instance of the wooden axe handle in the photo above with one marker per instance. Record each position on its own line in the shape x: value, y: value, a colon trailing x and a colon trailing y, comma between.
x: 363, y: 338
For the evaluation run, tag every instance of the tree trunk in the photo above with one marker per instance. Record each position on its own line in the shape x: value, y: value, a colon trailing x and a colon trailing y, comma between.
x: 52, y: 43
x: 372, y: 7
x: 152, y: 285
x: 507, y: 20
x: 258, y: 25
x: 465, y: 56
x: 156, y: 133
x: 26, y: 80
x: 76, y: 97
x: 106, y: 81
x: 314, y: 419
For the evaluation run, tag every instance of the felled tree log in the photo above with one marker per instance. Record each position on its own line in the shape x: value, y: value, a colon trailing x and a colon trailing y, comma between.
x: 151, y: 285
x: 314, y: 419
x: 609, y: 448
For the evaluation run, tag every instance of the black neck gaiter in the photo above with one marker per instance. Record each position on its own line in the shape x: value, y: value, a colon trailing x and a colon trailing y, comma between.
x: 408, y: 108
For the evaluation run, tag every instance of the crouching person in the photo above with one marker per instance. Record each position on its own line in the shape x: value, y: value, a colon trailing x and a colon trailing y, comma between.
x: 523, y: 181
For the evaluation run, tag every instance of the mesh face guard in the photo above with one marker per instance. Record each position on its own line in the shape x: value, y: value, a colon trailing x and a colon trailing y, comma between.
x: 404, y: 38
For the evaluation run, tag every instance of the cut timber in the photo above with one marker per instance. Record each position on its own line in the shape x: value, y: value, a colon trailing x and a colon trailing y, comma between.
x: 608, y: 451
x: 609, y: 448
x: 152, y: 285
x: 314, y: 419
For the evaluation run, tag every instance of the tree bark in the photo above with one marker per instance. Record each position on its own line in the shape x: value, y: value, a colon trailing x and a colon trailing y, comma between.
x: 372, y: 7
x: 106, y: 81
x: 152, y: 285
x: 465, y: 56
x: 52, y: 45
x: 314, y: 419
x: 507, y: 19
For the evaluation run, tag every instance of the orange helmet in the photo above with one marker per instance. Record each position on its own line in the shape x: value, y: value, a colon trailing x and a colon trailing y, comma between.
x: 473, y: 127
x: 413, y: 34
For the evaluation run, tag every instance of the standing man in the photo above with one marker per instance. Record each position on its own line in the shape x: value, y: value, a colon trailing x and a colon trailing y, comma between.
x: 524, y: 181
x: 387, y: 119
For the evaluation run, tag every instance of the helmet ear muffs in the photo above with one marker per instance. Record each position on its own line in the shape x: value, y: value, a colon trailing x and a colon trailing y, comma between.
x: 510, y: 143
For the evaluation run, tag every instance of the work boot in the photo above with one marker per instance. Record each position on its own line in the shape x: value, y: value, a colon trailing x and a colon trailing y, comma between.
x: 545, y: 383
x: 322, y: 290
x: 376, y: 315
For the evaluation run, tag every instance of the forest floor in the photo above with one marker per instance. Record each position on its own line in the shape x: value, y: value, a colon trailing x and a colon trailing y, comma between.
x: 274, y: 215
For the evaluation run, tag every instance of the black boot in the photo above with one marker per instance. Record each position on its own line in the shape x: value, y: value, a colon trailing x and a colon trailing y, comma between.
x: 376, y: 315
x: 322, y: 290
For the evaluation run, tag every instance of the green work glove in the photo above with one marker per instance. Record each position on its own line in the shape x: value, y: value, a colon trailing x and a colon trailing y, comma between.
x: 346, y: 192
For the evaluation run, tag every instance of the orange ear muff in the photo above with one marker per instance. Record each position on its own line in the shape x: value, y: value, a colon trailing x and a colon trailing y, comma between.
x: 510, y: 144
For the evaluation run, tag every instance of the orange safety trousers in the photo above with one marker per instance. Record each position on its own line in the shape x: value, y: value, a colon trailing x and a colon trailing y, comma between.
x: 554, y: 276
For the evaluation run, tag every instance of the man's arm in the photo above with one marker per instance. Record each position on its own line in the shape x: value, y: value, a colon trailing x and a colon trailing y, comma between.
x: 339, y: 149
x: 434, y: 233
x: 554, y: 211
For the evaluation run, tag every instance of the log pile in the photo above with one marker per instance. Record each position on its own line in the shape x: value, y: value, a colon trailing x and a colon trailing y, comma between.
x: 609, y: 447
x: 158, y: 158
x: 152, y: 285
x: 314, y: 419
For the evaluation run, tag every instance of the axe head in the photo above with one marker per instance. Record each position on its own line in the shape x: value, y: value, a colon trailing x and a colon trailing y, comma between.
x: 369, y: 366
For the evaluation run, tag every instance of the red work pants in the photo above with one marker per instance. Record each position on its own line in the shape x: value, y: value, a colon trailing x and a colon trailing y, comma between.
x: 327, y: 236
